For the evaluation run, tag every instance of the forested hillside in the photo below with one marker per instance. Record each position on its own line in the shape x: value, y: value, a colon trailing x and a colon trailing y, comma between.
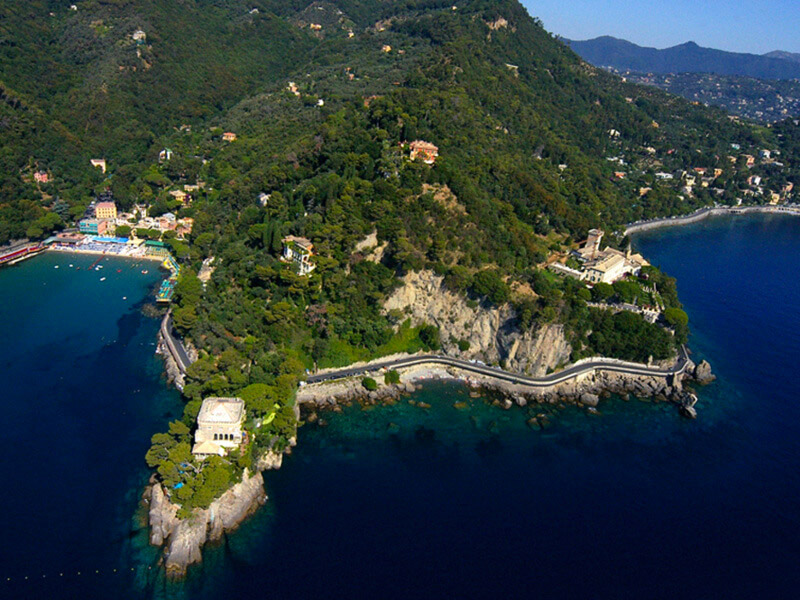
x: 269, y: 118
x: 535, y: 147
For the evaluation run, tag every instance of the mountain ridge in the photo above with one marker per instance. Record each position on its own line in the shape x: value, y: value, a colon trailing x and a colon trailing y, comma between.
x: 689, y: 57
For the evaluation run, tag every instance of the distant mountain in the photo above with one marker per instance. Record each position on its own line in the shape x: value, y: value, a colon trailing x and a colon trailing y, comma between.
x: 608, y: 51
x: 782, y: 54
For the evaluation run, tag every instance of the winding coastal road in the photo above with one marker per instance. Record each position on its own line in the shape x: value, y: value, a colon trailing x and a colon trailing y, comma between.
x: 575, y: 370
x: 175, y: 346
x: 179, y: 354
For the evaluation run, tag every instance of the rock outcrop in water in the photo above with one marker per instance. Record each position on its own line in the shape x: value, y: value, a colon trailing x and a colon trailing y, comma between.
x: 703, y: 374
x: 183, y: 539
x: 492, y: 332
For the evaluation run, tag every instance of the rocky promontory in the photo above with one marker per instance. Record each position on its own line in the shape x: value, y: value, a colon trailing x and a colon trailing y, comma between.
x: 183, y: 539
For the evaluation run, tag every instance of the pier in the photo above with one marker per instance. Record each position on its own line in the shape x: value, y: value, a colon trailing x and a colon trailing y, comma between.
x: 14, y: 254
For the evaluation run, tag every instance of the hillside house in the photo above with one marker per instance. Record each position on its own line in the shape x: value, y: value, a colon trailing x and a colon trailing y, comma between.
x: 41, y: 177
x: 423, y: 150
x: 299, y: 250
x: 99, y: 162
x: 164, y: 155
x: 184, y: 227
x: 219, y: 426
x: 228, y: 136
x: 179, y: 195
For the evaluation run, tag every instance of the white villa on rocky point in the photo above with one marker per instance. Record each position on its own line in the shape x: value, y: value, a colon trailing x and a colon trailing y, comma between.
x: 299, y: 251
x: 219, y: 426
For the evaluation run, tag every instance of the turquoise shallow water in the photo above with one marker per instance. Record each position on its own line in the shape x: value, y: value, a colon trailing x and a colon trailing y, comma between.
x: 403, y: 501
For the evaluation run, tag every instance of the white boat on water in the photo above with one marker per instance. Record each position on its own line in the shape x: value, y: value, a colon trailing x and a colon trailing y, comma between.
x: 102, y: 279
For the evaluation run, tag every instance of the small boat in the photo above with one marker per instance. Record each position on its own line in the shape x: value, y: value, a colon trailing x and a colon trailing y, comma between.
x: 124, y: 297
x: 55, y: 267
x: 70, y: 266
x: 119, y: 270
x: 144, y: 272
x: 102, y: 279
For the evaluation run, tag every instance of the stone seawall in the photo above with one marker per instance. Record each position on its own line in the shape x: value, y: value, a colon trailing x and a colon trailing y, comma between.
x: 582, y: 388
x: 708, y: 212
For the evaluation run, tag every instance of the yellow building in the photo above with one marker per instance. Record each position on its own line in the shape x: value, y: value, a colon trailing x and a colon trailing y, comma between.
x: 105, y: 210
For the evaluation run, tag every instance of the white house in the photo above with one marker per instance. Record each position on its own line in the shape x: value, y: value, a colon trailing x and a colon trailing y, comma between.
x: 219, y: 426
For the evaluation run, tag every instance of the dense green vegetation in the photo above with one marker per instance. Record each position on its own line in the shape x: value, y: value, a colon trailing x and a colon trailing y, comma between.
x: 523, y: 131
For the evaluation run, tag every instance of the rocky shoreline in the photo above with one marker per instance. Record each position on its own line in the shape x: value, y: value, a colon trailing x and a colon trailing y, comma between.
x: 183, y: 539
x: 586, y: 390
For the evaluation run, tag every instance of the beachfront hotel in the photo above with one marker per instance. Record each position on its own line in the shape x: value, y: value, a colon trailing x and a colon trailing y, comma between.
x: 105, y: 210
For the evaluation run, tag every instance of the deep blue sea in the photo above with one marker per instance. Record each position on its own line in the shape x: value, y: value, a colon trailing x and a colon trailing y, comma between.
x: 409, y: 502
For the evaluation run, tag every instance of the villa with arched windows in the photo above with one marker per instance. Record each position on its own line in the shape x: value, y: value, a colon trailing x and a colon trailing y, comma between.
x: 219, y: 426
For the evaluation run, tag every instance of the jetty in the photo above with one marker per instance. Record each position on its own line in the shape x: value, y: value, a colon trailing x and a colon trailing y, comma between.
x: 16, y: 253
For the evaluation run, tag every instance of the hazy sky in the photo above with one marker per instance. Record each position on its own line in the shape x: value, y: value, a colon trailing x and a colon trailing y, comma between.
x: 755, y: 26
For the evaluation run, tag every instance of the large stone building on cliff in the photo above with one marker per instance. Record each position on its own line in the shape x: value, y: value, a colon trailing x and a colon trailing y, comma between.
x: 219, y: 426
x: 601, y: 266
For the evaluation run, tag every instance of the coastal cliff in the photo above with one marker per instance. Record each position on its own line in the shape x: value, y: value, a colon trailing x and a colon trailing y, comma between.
x: 183, y: 539
x: 492, y: 332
